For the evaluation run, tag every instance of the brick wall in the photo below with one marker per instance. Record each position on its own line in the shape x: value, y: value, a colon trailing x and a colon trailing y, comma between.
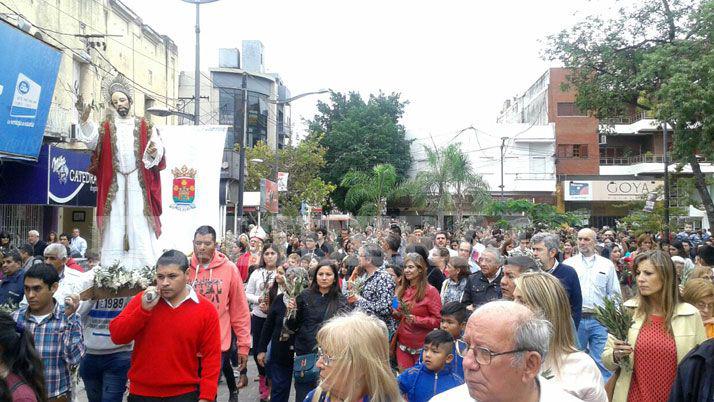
x: 580, y: 130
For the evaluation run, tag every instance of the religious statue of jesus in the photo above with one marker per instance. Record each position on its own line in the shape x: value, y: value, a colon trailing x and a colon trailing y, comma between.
x: 128, y: 156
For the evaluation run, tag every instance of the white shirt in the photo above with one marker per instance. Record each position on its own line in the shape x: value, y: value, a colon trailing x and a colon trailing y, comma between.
x: 452, y: 252
x: 598, y: 279
x: 79, y: 244
x: 549, y: 392
x: 71, y: 282
x: 190, y: 296
x: 580, y: 377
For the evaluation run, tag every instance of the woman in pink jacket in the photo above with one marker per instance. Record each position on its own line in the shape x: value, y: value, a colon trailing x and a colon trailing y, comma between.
x: 418, y: 313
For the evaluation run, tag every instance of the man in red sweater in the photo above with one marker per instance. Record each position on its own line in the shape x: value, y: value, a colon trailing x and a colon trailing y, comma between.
x: 214, y: 276
x: 170, y: 331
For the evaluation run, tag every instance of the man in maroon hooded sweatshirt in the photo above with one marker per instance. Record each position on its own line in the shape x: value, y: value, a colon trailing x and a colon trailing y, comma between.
x: 216, y: 278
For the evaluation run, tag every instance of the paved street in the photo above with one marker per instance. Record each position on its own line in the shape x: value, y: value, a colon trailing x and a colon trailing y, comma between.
x: 248, y: 394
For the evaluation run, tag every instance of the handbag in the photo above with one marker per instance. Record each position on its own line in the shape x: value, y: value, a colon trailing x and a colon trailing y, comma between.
x: 610, y: 384
x: 305, y: 370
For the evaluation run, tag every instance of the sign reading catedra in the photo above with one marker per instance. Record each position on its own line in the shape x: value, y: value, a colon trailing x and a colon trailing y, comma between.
x: 609, y: 190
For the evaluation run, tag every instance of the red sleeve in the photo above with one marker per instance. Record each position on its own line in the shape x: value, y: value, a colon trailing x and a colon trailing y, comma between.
x: 242, y: 264
x: 433, y: 305
x: 210, y: 350
x: 127, y: 325
x: 239, y: 312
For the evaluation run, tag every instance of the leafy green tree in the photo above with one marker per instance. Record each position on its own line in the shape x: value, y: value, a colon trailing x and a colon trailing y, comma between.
x: 542, y: 216
x: 656, y: 56
x: 449, y: 183
x: 303, y: 162
x: 359, y: 135
x: 368, y: 193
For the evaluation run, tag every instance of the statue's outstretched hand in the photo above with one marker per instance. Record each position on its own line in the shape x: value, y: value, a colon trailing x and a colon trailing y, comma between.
x: 83, y: 109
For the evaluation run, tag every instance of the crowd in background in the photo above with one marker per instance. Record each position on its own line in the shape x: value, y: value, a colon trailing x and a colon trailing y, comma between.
x: 386, y: 314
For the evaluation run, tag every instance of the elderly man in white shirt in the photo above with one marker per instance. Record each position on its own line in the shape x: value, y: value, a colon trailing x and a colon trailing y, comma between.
x: 598, y: 281
x: 72, y: 282
x: 503, y: 349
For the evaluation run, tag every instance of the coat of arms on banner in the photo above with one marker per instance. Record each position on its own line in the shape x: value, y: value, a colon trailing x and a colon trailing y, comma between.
x: 184, y: 188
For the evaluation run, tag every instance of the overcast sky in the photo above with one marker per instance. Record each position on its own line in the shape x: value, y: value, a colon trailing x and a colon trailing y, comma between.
x: 455, y: 61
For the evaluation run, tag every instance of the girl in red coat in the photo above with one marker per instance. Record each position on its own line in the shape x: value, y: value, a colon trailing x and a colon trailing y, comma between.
x: 418, y: 313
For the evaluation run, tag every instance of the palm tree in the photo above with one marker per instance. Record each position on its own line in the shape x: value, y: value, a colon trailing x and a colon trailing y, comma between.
x: 369, y: 192
x: 449, y: 182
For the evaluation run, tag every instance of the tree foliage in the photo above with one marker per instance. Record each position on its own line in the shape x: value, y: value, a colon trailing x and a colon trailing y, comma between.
x: 542, y: 216
x: 655, y: 55
x: 449, y: 183
x: 303, y: 162
x: 368, y: 192
x: 359, y: 135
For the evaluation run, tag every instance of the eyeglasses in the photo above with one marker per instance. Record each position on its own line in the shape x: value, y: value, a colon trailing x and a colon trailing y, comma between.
x: 326, y: 359
x: 483, y: 355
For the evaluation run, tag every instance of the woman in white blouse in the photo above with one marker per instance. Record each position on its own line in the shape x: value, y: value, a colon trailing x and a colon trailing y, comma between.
x: 571, y: 369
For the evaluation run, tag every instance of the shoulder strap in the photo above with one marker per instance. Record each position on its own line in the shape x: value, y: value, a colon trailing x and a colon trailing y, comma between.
x: 17, y: 385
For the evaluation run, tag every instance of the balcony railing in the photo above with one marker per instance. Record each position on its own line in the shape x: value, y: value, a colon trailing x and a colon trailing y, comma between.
x: 626, y: 119
x: 631, y: 160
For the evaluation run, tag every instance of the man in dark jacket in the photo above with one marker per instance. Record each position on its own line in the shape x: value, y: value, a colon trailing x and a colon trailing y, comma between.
x: 695, y: 375
x: 38, y: 245
x: 485, y: 285
x: 545, y: 247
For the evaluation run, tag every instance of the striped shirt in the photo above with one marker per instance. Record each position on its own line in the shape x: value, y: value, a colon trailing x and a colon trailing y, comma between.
x: 58, y: 341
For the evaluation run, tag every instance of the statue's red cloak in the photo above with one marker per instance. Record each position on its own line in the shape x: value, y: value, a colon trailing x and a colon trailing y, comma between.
x: 103, y: 167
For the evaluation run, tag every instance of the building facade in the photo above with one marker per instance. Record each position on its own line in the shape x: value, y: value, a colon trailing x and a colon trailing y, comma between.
x: 222, y: 103
x: 98, y: 39
x: 601, y: 165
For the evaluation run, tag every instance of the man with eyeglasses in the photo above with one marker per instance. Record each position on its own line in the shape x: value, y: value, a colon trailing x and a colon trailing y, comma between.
x: 214, y: 276
x: 503, y: 348
x: 465, y: 251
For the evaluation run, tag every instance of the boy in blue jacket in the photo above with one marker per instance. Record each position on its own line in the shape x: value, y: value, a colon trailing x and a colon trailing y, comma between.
x: 431, y: 376
x: 454, y: 316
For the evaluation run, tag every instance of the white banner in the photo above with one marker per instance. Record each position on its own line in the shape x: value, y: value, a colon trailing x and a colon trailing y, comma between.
x: 190, y: 182
x: 283, y: 181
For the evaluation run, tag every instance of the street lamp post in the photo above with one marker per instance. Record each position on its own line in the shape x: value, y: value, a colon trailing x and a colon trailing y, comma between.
x: 197, y: 73
x: 665, y: 140
x: 242, y: 141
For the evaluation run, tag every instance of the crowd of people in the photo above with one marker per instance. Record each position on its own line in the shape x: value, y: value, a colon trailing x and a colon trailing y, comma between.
x: 371, y: 315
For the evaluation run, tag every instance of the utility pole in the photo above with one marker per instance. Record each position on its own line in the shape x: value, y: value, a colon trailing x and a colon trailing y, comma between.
x: 241, y: 152
x: 197, y: 72
x: 503, y: 153
x: 665, y: 140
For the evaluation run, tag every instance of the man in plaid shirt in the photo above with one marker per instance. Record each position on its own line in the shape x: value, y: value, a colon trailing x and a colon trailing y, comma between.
x: 56, y: 329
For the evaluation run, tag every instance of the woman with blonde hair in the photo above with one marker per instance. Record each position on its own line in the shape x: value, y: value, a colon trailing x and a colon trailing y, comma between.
x: 353, y: 359
x: 700, y: 293
x: 575, y: 371
x: 662, y: 332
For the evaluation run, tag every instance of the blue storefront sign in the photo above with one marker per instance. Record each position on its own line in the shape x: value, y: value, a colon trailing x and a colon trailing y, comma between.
x: 28, y: 71
x: 58, y: 178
